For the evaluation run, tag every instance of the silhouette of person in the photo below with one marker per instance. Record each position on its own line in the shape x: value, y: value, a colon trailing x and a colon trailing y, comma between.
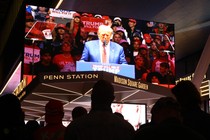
x: 31, y: 127
x: 119, y: 114
x: 167, y: 123
x: 78, y: 111
x: 54, y: 129
x: 12, y: 124
x: 189, y: 98
x: 100, y: 123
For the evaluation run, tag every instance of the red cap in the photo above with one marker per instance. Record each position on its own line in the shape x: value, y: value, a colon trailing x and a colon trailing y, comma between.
x: 76, y: 15
x: 143, y: 46
x: 61, y: 26
x: 132, y: 20
x: 85, y: 14
x: 157, y: 37
x: 105, y: 17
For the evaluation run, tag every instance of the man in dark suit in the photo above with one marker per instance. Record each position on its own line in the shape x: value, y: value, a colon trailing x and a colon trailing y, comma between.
x: 93, y: 50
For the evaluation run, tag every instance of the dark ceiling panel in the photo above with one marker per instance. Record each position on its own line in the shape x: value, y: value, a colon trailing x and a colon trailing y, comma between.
x: 140, y: 9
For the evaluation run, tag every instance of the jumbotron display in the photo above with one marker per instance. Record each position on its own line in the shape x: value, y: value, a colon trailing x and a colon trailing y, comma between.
x: 55, y: 39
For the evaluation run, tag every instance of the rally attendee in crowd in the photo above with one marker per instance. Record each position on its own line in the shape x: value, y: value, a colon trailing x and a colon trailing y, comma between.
x: 140, y: 68
x: 12, y: 126
x: 45, y: 64
x: 163, y: 57
x: 100, y: 123
x: 166, y: 123
x: 116, y: 37
x: 78, y: 112
x: 189, y: 97
x: 132, y: 28
x: 75, y: 25
x: 41, y: 13
x: 54, y: 129
x: 64, y: 60
x: 58, y: 37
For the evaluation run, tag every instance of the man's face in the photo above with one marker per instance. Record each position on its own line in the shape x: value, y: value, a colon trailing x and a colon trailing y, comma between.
x: 104, y: 36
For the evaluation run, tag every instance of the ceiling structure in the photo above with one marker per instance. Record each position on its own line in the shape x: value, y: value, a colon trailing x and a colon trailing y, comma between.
x: 76, y: 91
x: 192, y: 28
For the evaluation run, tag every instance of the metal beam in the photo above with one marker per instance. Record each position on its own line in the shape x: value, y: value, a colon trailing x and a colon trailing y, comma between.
x: 203, y: 65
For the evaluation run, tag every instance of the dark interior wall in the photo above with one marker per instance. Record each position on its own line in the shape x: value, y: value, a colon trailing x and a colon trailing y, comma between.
x: 14, y: 43
x: 187, y: 65
x: 13, y: 49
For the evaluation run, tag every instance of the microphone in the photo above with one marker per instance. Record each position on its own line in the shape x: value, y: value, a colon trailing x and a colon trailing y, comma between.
x: 104, y: 43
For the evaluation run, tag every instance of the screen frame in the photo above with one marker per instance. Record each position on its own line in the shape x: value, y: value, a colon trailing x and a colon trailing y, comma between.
x: 34, y: 49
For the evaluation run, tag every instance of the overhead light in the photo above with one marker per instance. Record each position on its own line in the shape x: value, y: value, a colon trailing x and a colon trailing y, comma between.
x: 58, y: 4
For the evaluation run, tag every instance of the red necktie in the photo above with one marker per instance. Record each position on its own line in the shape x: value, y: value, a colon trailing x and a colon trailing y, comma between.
x: 104, y: 54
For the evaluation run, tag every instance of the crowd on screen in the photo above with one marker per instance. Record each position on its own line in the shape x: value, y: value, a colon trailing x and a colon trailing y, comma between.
x: 147, y: 45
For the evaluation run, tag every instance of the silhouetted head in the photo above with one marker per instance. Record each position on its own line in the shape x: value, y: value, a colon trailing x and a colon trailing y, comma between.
x: 166, y: 108
x: 102, y: 94
x: 11, y: 112
x: 32, y: 125
x: 78, y: 112
x: 187, y: 94
x: 119, y: 114
x: 12, y: 126
x: 54, y: 111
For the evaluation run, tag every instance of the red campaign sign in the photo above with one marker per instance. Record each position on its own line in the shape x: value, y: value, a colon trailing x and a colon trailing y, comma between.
x: 36, y: 31
x: 91, y: 24
x: 31, y: 54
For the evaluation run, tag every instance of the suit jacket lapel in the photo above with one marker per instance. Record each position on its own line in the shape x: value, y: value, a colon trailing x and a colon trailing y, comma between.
x: 111, y: 52
x: 97, y: 52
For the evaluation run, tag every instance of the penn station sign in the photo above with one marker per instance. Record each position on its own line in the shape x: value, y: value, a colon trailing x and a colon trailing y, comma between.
x: 70, y: 76
x: 94, y: 76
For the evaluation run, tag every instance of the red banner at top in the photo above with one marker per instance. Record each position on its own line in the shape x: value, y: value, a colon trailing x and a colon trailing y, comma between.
x: 91, y: 24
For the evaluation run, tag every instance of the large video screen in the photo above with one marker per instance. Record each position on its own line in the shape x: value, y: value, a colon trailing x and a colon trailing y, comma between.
x: 55, y: 39
x: 135, y: 114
